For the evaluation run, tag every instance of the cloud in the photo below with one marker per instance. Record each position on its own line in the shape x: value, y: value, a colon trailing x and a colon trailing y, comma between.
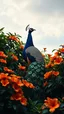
x: 47, y: 6
x: 46, y: 16
x: 49, y: 14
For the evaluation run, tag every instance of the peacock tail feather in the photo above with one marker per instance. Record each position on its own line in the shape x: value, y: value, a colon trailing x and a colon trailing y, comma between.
x: 35, y: 75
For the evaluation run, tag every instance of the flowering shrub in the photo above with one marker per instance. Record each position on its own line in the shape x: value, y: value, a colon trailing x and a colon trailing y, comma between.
x: 12, y: 72
x: 17, y: 92
x: 54, y: 83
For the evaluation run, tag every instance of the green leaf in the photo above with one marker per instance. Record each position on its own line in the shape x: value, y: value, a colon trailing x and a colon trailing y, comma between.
x: 2, y: 91
x: 1, y: 29
x: 14, y: 107
x: 0, y: 69
x: 53, y: 50
x: 62, y: 105
x: 45, y: 111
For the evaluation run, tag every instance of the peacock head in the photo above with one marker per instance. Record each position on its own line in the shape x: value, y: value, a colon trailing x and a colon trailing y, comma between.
x: 30, y: 29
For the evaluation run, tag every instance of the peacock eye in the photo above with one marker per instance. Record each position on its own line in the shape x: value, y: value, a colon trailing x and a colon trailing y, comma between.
x: 30, y: 29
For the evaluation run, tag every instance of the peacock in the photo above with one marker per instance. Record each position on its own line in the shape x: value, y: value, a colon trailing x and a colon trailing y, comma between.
x: 30, y: 52
x: 36, y: 68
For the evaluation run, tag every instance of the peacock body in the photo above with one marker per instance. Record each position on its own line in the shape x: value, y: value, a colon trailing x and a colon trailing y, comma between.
x: 36, y: 69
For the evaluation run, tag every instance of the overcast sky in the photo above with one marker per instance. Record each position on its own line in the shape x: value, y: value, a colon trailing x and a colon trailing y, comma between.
x: 46, y: 16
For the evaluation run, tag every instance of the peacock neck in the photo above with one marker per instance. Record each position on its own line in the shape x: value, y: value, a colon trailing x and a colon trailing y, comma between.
x: 29, y: 41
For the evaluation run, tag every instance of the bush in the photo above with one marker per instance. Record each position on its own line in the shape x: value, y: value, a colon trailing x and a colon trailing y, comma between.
x: 12, y: 72
x: 54, y: 83
x: 29, y: 89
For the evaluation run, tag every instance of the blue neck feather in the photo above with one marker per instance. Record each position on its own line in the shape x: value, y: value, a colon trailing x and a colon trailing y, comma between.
x: 29, y: 43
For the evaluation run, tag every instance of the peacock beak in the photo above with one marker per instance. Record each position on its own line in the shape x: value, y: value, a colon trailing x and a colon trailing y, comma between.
x: 34, y: 29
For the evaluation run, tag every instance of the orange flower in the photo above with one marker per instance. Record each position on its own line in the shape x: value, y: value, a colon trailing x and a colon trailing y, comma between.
x: 3, y: 61
x: 56, y: 53
x: 31, y: 85
x: 27, y: 84
x: 8, y: 70
x: 13, y: 75
x: 49, y: 55
x: 23, y: 101
x: 49, y: 65
x: 3, y: 76
x: 52, y: 104
x: 47, y: 74
x: 45, y: 83
x: 52, y: 58
x: 14, y: 38
x: 55, y: 73
x: 21, y: 47
x: 16, y: 80
x: 4, y: 82
x: 20, y: 83
x: 16, y: 87
x: 16, y: 96
x: 14, y: 57
x: 61, y: 50
x: 20, y: 97
x: 21, y: 67
x: 44, y: 49
x: 58, y: 60
x: 2, y: 54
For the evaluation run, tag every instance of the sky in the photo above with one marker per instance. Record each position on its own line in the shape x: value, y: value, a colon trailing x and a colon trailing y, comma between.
x: 46, y: 16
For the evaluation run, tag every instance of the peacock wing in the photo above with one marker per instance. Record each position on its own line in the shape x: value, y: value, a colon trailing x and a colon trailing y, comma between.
x: 34, y: 54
